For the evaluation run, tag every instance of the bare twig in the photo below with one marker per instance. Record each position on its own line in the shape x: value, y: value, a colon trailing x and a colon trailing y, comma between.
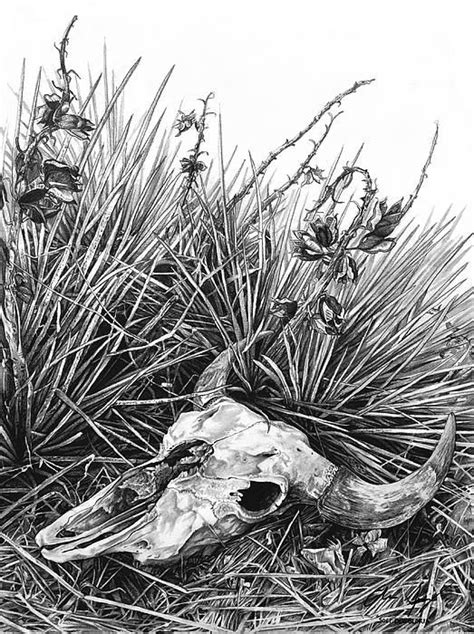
x: 168, y: 399
x: 300, y: 171
x: 34, y: 140
x: 66, y: 94
x: 424, y: 172
x: 291, y: 142
x: 15, y: 383
x: 196, y: 151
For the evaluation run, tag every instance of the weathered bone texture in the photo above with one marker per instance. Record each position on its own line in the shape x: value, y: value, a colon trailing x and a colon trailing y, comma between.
x: 251, y: 467
x: 243, y: 468
x: 221, y: 470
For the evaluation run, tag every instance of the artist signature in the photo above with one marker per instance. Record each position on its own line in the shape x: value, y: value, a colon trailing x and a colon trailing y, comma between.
x: 418, y: 599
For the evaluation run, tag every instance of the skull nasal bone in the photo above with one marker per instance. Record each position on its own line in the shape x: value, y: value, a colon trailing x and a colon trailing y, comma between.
x: 259, y: 496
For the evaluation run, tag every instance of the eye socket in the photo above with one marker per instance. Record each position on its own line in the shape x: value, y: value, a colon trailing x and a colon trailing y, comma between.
x: 259, y: 496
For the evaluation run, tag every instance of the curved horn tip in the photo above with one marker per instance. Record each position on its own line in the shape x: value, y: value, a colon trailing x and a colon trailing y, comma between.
x: 351, y: 502
x: 441, y: 458
x: 213, y: 380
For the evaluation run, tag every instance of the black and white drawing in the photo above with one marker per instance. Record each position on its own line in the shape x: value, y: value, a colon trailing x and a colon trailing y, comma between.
x: 231, y: 399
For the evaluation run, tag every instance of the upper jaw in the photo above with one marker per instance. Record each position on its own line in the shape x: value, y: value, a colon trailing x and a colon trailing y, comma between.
x: 93, y: 528
x: 108, y: 521
x: 86, y: 545
x: 180, y: 521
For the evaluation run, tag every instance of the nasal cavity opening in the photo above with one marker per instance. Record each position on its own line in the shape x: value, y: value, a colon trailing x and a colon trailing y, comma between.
x: 259, y: 496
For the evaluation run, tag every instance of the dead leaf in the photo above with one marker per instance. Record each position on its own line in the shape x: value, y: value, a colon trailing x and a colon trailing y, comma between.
x: 371, y: 541
x: 329, y: 561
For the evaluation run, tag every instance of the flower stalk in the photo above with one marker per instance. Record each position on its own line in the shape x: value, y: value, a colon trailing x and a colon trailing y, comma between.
x: 370, y: 232
x: 193, y: 165
x: 39, y: 189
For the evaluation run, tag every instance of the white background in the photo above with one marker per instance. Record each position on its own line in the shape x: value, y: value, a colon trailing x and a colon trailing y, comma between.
x: 272, y: 65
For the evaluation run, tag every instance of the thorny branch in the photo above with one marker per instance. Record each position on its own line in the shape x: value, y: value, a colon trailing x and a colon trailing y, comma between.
x: 35, y: 140
x: 66, y: 94
x: 192, y: 164
x: 291, y: 142
x: 292, y: 180
x: 424, y: 172
x: 368, y: 232
x: 40, y: 188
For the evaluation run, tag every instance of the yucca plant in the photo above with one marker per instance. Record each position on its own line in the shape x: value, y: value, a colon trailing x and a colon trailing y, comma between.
x: 130, y: 257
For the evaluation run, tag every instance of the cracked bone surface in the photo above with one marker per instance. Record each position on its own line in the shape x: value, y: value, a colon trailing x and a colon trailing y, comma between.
x: 221, y: 470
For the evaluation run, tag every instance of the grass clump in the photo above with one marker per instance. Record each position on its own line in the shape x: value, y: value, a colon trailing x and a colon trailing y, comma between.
x: 127, y: 264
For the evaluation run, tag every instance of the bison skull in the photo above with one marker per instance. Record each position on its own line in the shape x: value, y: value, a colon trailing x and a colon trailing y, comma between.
x: 221, y: 470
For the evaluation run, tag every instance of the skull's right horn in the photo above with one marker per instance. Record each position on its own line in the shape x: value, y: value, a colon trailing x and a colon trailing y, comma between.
x: 354, y: 503
x: 345, y: 498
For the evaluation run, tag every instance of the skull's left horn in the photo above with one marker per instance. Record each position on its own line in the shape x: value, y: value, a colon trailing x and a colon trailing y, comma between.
x: 351, y: 502
x: 212, y: 382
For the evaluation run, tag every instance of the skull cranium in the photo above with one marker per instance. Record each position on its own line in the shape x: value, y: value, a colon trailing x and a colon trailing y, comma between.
x: 221, y: 470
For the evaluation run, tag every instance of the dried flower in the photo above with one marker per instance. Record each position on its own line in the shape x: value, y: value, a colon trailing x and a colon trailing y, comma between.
x: 51, y: 110
x: 39, y: 204
x: 192, y: 165
x: 371, y: 541
x: 54, y: 114
x: 61, y: 180
x: 80, y: 127
x: 307, y: 249
x: 345, y: 269
x: 185, y: 122
x: 31, y: 169
x: 326, y: 315
x: 312, y: 175
x: 32, y: 196
x: 315, y: 245
x: 23, y: 290
x: 388, y: 219
x: 325, y: 231
x: 329, y: 561
x: 284, y: 308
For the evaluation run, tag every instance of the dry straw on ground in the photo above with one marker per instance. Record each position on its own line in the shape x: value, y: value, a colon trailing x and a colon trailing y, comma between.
x: 114, y: 303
